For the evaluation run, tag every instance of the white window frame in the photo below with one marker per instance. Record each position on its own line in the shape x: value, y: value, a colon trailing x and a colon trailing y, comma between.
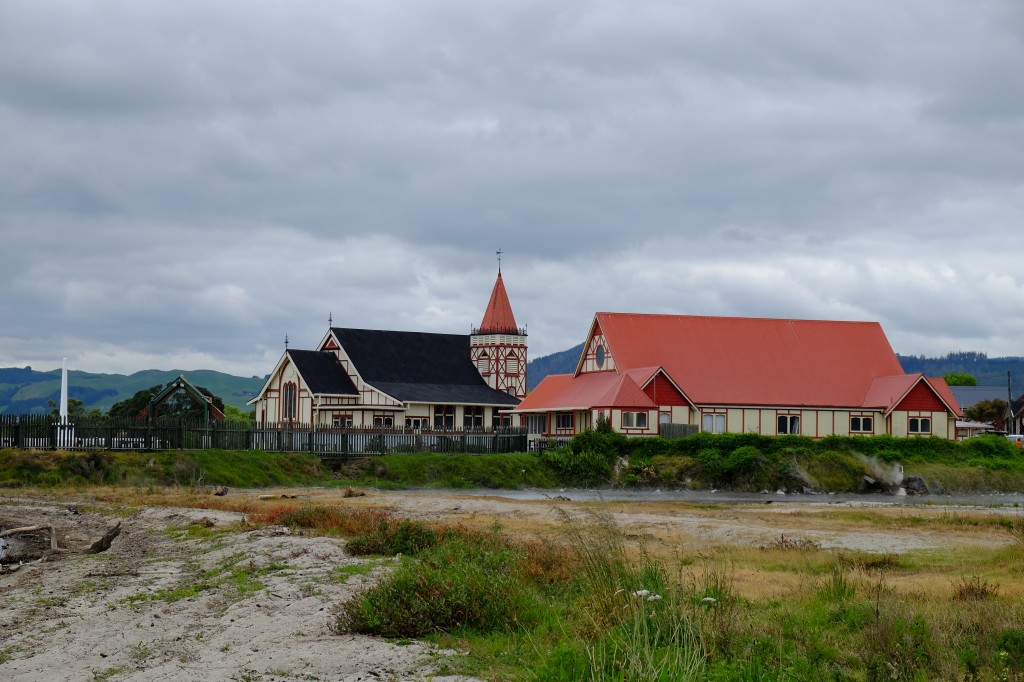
x: 561, y: 417
x: 861, y: 418
x: 914, y: 425
x: 634, y: 420
x: 713, y: 422
x: 787, y: 424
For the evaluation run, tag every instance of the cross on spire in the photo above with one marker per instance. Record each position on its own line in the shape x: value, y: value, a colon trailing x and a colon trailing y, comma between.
x: 499, y: 252
x: 286, y: 341
x: 330, y: 319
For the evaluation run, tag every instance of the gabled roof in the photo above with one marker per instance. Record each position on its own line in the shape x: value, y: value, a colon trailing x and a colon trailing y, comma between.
x: 754, y: 361
x: 322, y: 372
x: 498, y: 318
x: 418, y: 366
x: 886, y: 393
x: 585, y: 392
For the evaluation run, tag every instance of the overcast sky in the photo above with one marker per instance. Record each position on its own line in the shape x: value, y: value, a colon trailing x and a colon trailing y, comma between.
x: 183, y: 183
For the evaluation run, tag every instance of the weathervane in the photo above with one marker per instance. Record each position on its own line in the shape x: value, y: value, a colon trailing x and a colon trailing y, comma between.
x: 330, y: 319
x: 286, y: 341
x: 499, y: 252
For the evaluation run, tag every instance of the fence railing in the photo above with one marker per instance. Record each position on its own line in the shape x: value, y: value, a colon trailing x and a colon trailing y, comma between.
x: 167, y: 433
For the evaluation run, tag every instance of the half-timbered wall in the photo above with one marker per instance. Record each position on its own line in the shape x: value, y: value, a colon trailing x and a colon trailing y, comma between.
x: 501, y: 360
x: 596, y: 355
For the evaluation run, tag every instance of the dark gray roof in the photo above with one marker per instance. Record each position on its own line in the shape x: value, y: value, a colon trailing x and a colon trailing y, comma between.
x: 419, y: 366
x: 966, y: 396
x: 322, y: 372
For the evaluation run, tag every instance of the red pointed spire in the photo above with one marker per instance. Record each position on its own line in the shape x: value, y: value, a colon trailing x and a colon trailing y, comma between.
x: 498, y: 318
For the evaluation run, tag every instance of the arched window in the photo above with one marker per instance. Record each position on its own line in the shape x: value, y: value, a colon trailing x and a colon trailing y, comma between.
x: 289, y: 402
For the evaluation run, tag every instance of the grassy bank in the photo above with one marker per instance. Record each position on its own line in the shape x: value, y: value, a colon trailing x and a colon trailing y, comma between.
x: 752, y: 462
x: 165, y: 468
x: 256, y: 469
x: 747, y: 462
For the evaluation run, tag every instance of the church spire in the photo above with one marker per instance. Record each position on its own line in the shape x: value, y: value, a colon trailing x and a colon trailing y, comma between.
x: 498, y: 318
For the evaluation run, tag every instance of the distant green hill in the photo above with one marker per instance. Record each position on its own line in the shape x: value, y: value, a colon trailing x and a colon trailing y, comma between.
x: 988, y: 371
x: 562, y: 362
x: 26, y: 391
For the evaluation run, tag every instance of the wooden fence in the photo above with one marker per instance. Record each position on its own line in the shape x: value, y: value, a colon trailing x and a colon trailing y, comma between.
x: 106, y: 433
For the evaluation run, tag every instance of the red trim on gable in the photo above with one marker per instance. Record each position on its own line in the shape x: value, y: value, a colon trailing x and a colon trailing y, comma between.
x: 921, y: 399
x: 661, y: 391
x: 330, y: 345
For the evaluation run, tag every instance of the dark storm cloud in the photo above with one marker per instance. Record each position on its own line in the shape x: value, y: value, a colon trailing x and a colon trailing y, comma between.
x: 185, y: 183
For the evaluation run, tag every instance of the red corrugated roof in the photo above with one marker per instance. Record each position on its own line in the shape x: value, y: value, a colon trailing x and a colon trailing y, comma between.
x: 754, y: 361
x: 886, y: 392
x: 585, y: 392
x: 498, y: 318
x: 944, y: 392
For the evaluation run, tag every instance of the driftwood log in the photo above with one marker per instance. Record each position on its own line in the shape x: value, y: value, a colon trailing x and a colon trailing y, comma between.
x: 33, y: 529
x: 103, y: 544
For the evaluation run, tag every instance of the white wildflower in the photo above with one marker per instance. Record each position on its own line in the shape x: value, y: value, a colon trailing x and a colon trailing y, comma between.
x: 654, y: 597
x: 641, y: 593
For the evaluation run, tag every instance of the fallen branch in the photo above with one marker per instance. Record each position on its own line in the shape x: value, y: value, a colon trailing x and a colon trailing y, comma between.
x: 33, y: 529
x: 103, y: 544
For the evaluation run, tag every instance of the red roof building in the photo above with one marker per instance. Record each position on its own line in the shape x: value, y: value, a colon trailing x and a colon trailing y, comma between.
x: 769, y: 376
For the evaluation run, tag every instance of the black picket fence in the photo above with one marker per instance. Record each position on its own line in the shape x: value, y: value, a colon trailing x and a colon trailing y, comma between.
x: 166, y: 433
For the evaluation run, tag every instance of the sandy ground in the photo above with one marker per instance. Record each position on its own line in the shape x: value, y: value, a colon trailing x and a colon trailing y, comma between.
x: 108, y: 616
x: 269, y: 597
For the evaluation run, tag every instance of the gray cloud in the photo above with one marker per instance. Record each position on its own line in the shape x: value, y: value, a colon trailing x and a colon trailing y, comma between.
x: 186, y: 183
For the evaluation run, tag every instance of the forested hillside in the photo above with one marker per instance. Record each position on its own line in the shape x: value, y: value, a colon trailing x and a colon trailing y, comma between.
x: 988, y: 371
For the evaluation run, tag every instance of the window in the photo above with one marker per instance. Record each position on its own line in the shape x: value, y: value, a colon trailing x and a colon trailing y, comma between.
x: 383, y: 422
x: 473, y: 417
x: 714, y: 423
x: 536, y: 423
x: 499, y: 420
x: 862, y: 424
x: 289, y: 403
x: 483, y: 363
x: 634, y: 420
x: 342, y: 421
x: 417, y: 422
x: 920, y: 425
x: 564, y: 421
x: 789, y: 424
x: 600, y: 357
x: 444, y: 416
x: 511, y: 365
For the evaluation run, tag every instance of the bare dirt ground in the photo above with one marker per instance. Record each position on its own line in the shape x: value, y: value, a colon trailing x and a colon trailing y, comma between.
x: 174, y: 601
x: 184, y: 594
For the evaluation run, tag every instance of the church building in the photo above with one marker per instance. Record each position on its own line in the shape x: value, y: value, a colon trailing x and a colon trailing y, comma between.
x: 367, y: 378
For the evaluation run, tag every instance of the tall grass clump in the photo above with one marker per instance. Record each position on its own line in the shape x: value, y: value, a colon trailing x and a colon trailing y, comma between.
x: 457, y: 585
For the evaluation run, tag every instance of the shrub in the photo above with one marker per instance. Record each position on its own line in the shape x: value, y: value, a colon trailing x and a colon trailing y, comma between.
x: 455, y: 586
x: 407, y: 537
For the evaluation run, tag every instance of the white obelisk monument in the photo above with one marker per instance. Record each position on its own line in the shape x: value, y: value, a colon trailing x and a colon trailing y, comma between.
x: 64, y: 390
x: 65, y: 432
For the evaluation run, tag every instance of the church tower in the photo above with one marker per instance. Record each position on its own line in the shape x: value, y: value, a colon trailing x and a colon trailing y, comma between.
x: 498, y: 346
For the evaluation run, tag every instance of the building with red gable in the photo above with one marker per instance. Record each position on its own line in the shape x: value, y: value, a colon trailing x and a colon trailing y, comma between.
x: 726, y: 374
x: 400, y: 379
